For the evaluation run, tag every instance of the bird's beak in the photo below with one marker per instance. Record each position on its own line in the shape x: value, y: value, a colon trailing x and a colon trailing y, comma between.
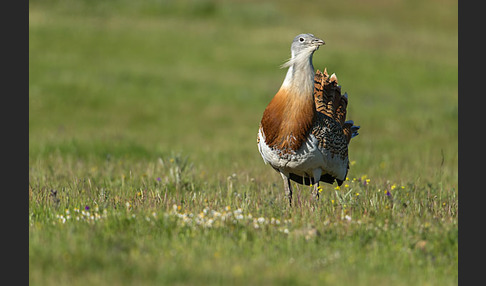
x: 318, y: 42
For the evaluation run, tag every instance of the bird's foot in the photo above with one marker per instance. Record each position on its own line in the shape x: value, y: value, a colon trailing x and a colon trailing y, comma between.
x: 317, y: 189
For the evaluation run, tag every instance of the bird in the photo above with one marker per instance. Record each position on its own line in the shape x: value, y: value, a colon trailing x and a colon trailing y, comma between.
x: 303, y: 133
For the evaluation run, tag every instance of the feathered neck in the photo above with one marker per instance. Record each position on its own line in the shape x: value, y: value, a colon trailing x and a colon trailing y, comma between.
x: 288, y: 118
x: 300, y: 75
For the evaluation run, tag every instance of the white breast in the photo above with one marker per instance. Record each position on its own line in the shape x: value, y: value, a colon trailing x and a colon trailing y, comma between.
x: 305, y: 160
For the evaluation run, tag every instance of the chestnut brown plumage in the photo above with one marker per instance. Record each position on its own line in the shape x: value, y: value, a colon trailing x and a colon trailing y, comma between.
x: 303, y: 133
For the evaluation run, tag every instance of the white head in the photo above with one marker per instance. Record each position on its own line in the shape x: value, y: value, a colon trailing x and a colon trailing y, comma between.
x: 302, y: 48
x: 305, y: 43
x: 300, y: 75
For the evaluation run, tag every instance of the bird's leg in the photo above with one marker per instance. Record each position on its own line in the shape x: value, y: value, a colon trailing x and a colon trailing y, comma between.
x: 316, y: 190
x: 317, y: 177
x: 288, y: 187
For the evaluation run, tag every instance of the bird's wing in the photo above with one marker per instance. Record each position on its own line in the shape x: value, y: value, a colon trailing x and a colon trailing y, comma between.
x: 328, y: 98
x: 330, y: 128
x: 330, y: 102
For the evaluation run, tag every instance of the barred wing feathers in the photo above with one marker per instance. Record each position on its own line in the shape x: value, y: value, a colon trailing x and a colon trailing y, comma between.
x: 331, y: 103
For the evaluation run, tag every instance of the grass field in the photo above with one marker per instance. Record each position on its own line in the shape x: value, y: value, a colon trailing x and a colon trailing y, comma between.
x: 143, y: 164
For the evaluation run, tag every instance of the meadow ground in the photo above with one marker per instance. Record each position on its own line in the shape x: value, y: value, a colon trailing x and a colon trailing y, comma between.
x: 143, y: 165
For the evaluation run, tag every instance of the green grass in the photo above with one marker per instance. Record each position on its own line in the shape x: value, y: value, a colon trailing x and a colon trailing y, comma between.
x: 147, y: 113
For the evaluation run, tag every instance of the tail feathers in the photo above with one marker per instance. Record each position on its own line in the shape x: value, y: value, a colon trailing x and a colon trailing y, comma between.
x: 354, y: 131
x: 328, y: 97
x: 350, y: 130
x: 330, y: 101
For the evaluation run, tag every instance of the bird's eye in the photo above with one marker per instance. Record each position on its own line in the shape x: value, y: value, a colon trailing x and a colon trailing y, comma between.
x: 301, y: 40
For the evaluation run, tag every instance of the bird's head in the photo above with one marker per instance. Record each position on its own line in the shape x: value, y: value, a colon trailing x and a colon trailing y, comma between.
x: 305, y: 43
x: 302, y: 48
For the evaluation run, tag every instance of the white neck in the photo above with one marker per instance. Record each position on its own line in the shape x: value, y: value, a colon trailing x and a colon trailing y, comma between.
x: 300, y: 75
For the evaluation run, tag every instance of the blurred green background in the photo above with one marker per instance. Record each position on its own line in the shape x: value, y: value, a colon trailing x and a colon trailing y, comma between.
x: 143, y: 79
x: 116, y: 85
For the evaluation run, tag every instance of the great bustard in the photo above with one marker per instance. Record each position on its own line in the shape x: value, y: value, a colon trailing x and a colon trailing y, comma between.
x: 303, y: 133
